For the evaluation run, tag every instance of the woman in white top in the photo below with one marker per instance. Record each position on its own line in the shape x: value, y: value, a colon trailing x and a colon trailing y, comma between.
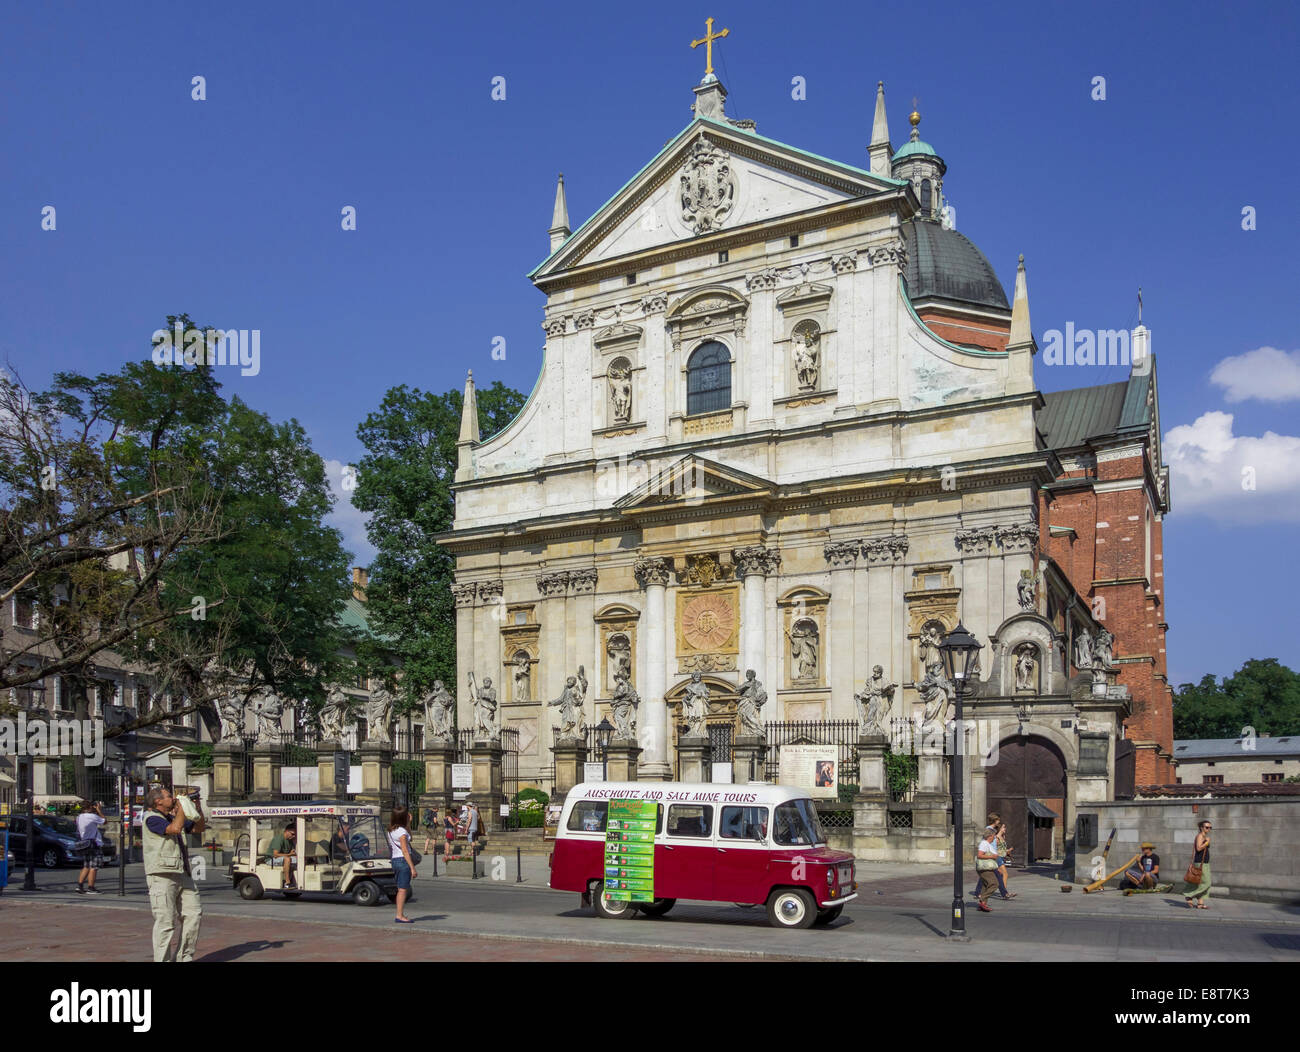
x: 399, y: 847
x: 986, y: 864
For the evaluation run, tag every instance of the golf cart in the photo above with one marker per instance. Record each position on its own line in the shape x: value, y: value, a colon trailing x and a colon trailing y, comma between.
x: 340, y: 849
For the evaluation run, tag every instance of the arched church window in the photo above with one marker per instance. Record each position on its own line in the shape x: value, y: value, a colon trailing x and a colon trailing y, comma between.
x: 925, y: 197
x: 708, y: 379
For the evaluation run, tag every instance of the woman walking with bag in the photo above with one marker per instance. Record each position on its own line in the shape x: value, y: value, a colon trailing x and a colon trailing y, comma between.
x: 399, y: 846
x: 1197, y: 887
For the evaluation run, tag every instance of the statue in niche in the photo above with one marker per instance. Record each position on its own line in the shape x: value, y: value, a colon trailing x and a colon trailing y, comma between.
x: 623, y: 707
x: 571, y: 701
x: 750, y: 707
x: 806, y: 341
x: 1027, y: 667
x: 1083, y: 650
x: 1102, y: 651
x: 619, y: 652
x: 803, y: 650
x: 523, y: 676
x: 695, y: 706
x: 485, y: 709
x: 620, y: 391
x: 874, y: 703
x: 438, y: 707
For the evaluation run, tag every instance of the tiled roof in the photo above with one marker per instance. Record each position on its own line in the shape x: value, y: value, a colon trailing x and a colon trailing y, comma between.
x: 1225, y: 789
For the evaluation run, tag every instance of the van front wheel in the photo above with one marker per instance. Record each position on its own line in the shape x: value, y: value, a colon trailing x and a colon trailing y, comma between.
x: 610, y: 909
x: 791, y: 908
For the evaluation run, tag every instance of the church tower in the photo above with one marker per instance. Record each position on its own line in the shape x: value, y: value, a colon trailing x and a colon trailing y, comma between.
x: 924, y: 169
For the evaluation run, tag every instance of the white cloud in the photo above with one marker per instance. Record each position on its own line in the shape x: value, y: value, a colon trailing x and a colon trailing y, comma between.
x: 1212, y: 471
x: 347, y: 519
x: 1264, y: 373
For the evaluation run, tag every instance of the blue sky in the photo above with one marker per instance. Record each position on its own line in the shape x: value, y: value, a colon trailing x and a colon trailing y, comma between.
x: 229, y: 208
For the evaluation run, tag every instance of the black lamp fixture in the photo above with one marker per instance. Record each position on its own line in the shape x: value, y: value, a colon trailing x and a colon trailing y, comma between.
x: 960, y: 653
x: 604, y: 731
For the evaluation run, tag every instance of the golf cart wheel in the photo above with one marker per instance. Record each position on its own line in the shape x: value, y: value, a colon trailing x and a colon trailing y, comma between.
x: 827, y: 916
x: 657, y: 908
x: 367, y: 893
x: 50, y: 858
x: 791, y: 908
x: 608, y: 908
x: 250, y: 888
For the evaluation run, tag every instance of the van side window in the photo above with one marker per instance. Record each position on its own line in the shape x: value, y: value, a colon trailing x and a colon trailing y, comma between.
x: 690, y: 819
x: 744, y: 823
x: 588, y: 816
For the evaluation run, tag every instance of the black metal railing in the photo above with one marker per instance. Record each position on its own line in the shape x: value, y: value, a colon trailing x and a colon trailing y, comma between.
x: 843, y: 734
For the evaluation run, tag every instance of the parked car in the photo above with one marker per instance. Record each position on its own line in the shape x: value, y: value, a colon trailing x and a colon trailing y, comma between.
x: 55, y: 841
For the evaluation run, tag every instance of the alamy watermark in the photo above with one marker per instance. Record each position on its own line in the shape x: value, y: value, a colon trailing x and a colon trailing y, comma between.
x: 233, y: 347
x: 41, y: 737
x: 1096, y: 347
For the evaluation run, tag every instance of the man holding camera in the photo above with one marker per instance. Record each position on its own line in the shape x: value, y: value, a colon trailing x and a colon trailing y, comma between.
x: 167, y: 871
x: 89, y: 834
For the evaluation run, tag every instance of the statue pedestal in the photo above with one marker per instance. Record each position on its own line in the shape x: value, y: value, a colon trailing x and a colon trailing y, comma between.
x: 486, y: 784
x: 930, y: 810
x: 570, y: 755
x: 327, y: 790
x: 694, y: 759
x: 747, y: 753
x: 376, y: 775
x: 227, y: 774
x: 620, y: 760
x: 871, y: 805
x: 266, y: 773
x: 438, y: 759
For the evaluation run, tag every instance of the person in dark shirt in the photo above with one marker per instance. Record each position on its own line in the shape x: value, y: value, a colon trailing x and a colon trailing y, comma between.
x: 1145, y: 873
x: 284, y: 849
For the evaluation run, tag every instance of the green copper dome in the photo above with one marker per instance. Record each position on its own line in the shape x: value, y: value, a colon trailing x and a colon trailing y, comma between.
x: 914, y: 148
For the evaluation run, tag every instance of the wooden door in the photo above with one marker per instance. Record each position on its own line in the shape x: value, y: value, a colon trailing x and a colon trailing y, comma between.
x: 1026, y: 767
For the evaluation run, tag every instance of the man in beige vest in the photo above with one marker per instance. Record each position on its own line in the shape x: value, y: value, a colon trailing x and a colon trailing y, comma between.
x: 167, y: 870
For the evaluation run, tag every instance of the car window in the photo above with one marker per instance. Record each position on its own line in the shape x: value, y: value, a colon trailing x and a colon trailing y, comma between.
x: 743, y: 823
x: 690, y: 819
x: 588, y: 816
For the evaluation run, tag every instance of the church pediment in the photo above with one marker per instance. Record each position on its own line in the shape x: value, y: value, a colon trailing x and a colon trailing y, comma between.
x: 693, y: 480
x: 711, y: 177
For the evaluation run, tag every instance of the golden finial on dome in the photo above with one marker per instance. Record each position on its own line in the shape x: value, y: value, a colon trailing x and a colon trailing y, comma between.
x: 915, y: 115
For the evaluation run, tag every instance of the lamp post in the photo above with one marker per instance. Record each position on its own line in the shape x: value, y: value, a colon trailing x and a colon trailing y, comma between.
x: 959, y: 651
x: 29, y: 876
x: 604, y: 731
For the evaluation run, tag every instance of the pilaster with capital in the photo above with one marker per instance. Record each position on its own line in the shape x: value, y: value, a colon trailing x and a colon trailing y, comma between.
x: 754, y: 563
x: 653, y: 575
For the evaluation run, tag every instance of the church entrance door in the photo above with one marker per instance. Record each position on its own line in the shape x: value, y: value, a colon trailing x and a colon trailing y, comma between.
x: 1028, y: 769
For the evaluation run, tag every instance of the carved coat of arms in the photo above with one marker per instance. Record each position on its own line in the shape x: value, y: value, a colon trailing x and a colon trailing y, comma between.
x: 708, y: 187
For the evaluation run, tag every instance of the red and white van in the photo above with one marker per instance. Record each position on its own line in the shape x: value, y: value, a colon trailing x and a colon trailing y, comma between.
x: 755, y: 844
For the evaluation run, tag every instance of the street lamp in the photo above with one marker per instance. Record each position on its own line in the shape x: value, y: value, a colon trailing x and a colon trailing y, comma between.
x: 959, y: 651
x: 604, y: 731
x: 29, y: 875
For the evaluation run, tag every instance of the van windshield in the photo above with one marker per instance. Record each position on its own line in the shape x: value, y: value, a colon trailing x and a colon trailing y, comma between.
x: 795, y: 824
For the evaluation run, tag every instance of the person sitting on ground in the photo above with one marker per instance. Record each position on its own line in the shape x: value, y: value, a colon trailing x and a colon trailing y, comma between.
x: 283, y: 847
x: 1145, y: 872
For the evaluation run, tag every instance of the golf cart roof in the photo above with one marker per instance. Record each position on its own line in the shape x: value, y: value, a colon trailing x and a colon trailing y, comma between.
x: 293, y: 808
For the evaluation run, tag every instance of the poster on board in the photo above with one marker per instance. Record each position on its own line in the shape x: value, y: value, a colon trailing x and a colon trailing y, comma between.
x: 812, y: 767
x: 630, y: 850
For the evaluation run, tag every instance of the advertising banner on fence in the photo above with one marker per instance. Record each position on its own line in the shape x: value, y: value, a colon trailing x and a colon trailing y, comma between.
x: 630, y: 850
x: 812, y: 767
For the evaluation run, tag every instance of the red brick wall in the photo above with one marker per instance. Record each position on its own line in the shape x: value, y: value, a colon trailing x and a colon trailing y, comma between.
x: 966, y: 331
x: 1108, y: 563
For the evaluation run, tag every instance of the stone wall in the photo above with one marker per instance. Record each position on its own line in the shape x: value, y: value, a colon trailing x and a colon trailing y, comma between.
x: 1255, y: 851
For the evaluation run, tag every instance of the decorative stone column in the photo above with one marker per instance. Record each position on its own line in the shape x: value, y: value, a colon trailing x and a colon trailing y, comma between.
x: 227, y: 773
x: 266, y: 773
x: 621, y: 760
x: 871, y: 805
x: 747, y: 756
x: 376, y: 775
x: 438, y: 758
x: 652, y: 574
x: 695, y: 758
x: 754, y: 563
x: 570, y: 755
x: 486, y: 783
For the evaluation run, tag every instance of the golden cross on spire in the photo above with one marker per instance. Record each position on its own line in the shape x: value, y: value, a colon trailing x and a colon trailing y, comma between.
x: 709, y: 37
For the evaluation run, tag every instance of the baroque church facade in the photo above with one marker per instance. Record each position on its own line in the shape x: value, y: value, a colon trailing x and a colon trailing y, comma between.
x: 787, y: 421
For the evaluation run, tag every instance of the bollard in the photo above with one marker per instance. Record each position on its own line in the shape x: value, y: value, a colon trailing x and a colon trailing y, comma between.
x: 519, y: 865
x: 473, y: 860
x: 435, y: 860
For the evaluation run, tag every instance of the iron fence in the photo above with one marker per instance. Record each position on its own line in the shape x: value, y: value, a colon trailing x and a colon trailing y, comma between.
x: 843, y: 734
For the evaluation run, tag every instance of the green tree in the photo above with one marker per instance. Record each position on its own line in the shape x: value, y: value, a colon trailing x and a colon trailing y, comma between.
x: 405, y: 482
x: 1263, y: 694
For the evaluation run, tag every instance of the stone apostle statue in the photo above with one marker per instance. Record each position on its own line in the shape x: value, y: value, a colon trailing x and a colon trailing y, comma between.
x: 230, y: 708
x: 570, y: 702
x: 335, y: 716
x: 803, y: 651
x: 523, y: 675
x: 695, y: 706
x: 485, y: 710
x: 269, y: 710
x: 438, y: 708
x: 874, y: 703
x: 750, y: 707
x: 1083, y: 658
x: 1102, y: 651
x: 379, y: 717
x: 623, y: 707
